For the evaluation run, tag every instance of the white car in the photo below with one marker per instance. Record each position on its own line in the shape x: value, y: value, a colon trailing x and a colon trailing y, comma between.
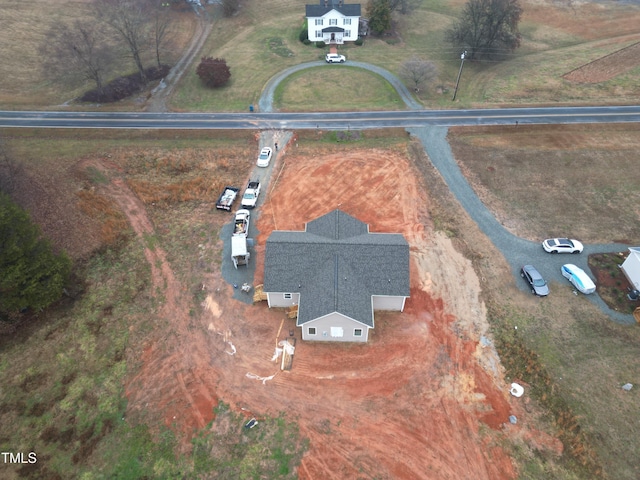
x: 562, y: 245
x: 265, y: 157
x: 334, y: 58
x: 578, y: 278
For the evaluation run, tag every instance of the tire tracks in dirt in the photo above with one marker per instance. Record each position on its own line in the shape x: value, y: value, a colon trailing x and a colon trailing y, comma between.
x: 170, y: 379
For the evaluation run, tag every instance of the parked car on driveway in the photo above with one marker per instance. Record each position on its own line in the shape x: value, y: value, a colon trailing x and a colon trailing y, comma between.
x: 534, y: 279
x: 578, y: 278
x: 335, y: 58
x: 562, y: 245
x: 265, y: 157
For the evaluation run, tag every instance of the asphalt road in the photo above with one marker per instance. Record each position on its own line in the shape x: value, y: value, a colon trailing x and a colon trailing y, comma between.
x: 430, y: 126
x: 320, y: 120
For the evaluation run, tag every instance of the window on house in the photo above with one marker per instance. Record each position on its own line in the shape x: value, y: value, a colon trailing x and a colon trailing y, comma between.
x: 346, y: 21
x: 347, y: 33
x: 337, y: 332
x: 318, y: 21
x: 357, y: 332
x: 312, y: 330
x: 287, y: 295
x: 318, y: 33
x: 333, y: 21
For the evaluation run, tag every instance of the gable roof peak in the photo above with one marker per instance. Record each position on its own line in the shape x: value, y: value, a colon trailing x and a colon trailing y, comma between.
x: 337, y: 225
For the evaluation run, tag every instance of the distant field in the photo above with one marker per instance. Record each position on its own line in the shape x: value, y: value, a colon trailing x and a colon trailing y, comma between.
x: 578, y: 180
x: 545, y: 181
x: 263, y: 39
x: 23, y: 32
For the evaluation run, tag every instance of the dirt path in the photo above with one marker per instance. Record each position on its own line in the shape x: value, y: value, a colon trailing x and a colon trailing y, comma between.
x: 423, y: 383
x: 157, y: 102
x: 170, y: 381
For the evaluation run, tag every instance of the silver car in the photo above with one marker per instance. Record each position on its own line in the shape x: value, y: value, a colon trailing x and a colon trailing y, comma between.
x: 534, y: 279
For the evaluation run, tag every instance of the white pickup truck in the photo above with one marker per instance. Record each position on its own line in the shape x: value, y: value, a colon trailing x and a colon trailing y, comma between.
x: 239, y: 249
x: 241, y: 224
x: 251, y: 194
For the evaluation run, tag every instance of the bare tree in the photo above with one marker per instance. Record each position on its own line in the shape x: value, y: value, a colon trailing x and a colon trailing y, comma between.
x: 130, y: 19
x: 487, y: 28
x: 418, y: 73
x: 78, y: 52
x: 161, y: 26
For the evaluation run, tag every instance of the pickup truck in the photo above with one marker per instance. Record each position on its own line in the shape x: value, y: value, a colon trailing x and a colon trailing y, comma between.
x: 239, y: 249
x: 227, y: 197
x: 251, y: 193
x: 241, y: 224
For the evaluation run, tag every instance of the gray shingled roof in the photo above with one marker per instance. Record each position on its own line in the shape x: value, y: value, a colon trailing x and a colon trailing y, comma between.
x: 319, y: 9
x: 337, y: 265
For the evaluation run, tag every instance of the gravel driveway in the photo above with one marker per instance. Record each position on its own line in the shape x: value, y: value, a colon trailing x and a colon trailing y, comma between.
x: 517, y: 251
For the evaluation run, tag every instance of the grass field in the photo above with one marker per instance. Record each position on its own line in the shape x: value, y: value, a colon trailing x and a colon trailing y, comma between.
x: 63, y: 372
x: 62, y: 375
x: 263, y: 39
x: 542, y: 181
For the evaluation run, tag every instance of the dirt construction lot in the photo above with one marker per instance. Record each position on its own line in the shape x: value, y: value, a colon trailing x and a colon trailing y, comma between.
x: 423, y: 399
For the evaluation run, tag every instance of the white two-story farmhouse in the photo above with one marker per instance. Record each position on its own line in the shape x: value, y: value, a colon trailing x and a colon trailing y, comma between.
x: 333, y: 22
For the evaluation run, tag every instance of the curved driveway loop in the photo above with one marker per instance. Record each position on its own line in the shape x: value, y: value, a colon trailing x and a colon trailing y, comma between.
x: 266, y: 99
x: 517, y: 251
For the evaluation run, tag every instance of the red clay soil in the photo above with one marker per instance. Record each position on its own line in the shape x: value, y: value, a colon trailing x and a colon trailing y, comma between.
x: 410, y: 404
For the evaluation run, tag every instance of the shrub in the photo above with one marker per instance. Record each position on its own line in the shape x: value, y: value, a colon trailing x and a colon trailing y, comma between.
x: 213, y: 72
x: 359, y: 41
x: 123, y: 87
x: 321, y: 44
x: 230, y: 7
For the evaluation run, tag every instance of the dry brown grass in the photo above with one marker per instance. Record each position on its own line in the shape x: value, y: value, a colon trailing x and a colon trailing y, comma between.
x: 544, y: 181
x: 24, y: 29
x: 113, y: 223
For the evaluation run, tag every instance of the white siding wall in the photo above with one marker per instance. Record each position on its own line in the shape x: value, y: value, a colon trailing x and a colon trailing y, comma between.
x: 279, y: 300
x: 395, y: 304
x: 631, y: 269
x: 315, y: 31
x: 334, y: 324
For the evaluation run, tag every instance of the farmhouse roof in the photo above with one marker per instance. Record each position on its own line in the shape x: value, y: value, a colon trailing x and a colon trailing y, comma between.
x: 322, y: 8
x: 337, y: 266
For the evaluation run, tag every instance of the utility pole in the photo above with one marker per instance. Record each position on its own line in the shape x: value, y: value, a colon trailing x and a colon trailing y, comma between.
x: 459, y: 74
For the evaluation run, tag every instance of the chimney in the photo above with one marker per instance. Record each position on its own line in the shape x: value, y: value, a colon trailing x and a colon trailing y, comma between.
x: 326, y: 3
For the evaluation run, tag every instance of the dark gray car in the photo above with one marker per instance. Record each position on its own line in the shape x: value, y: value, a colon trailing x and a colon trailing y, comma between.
x: 534, y: 279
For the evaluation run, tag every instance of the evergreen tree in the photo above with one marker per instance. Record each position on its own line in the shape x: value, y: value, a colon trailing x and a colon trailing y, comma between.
x: 31, y: 274
x: 379, y: 12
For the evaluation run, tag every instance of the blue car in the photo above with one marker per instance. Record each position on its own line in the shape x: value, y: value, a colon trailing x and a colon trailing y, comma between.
x: 578, y: 278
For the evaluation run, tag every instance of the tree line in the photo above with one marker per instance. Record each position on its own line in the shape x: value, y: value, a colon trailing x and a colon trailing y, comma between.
x: 32, y: 274
x: 485, y: 29
x: 92, y: 48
